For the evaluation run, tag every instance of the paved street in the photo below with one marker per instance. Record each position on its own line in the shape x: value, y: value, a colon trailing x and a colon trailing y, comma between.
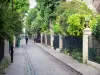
x: 32, y: 60
x: 41, y: 63
x: 37, y: 59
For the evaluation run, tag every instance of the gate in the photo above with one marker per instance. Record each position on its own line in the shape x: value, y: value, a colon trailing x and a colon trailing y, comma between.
x: 48, y: 40
x: 43, y: 38
x: 56, y: 41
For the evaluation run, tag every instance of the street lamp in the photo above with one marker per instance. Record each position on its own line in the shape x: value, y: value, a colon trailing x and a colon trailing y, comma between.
x: 86, y: 22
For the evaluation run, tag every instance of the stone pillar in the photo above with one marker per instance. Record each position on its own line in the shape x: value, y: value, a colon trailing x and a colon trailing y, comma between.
x: 6, y: 50
x: 52, y: 38
x: 46, y: 39
x: 60, y: 42
x: 86, y: 33
x: 41, y: 37
x: 52, y: 33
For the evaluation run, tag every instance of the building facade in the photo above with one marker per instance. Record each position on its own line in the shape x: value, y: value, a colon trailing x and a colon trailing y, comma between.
x: 96, y: 4
x: 92, y: 4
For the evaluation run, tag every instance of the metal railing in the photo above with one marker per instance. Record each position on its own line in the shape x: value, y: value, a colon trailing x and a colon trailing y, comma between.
x: 94, y: 49
x: 72, y: 43
x: 48, y: 40
x: 56, y: 41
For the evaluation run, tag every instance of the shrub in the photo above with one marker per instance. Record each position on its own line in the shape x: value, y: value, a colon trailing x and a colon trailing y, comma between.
x: 77, y: 55
x: 66, y: 52
x: 76, y: 24
x: 57, y: 29
x: 96, y: 29
x: 4, y: 63
x: 98, y: 59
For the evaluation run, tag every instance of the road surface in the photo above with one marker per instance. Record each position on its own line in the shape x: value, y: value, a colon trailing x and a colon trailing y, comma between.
x: 39, y: 62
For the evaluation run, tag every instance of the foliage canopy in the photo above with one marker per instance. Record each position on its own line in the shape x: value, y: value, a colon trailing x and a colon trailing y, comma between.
x: 10, y: 23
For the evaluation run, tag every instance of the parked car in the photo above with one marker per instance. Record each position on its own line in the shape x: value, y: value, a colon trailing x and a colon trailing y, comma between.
x: 37, y: 40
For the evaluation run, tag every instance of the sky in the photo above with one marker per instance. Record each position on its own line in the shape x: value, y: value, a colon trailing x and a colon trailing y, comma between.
x: 32, y: 3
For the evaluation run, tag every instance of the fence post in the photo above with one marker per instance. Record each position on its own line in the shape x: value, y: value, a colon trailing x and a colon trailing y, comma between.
x: 52, y: 38
x: 46, y: 39
x: 86, y: 33
x: 41, y: 37
x: 14, y: 41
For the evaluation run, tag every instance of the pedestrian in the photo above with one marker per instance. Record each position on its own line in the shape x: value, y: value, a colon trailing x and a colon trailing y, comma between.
x: 26, y: 38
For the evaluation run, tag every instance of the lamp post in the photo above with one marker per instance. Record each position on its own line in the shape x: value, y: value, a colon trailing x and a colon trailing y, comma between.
x: 87, y: 22
x: 12, y: 42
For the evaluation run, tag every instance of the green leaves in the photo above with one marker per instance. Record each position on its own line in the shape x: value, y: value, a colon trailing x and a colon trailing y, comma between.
x: 71, y: 17
x: 57, y: 29
x: 11, y: 23
x: 33, y: 21
x: 96, y: 28
x: 76, y: 24
x: 68, y: 18
x: 31, y: 16
x: 21, y: 6
x: 38, y: 18
x: 47, y: 9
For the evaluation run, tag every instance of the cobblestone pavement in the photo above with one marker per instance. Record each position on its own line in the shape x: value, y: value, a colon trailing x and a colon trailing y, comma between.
x: 42, y: 63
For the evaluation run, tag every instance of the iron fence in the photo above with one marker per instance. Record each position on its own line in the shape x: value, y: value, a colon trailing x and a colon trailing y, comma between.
x: 72, y: 43
x: 94, y: 49
x: 69, y: 42
x: 56, y: 41
x: 48, y: 40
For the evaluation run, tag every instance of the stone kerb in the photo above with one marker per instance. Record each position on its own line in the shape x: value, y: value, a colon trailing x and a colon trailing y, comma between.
x: 96, y: 65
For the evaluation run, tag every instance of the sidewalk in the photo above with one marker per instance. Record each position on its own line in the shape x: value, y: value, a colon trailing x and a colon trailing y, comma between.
x: 83, y: 69
x: 18, y: 67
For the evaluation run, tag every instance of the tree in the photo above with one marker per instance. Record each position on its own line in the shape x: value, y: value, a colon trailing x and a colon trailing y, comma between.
x: 67, y: 15
x: 74, y: 6
x: 10, y: 23
x: 38, y: 18
x: 47, y: 9
x: 31, y: 16
x: 76, y: 25
x: 31, y: 20
x: 96, y: 28
x: 21, y: 6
